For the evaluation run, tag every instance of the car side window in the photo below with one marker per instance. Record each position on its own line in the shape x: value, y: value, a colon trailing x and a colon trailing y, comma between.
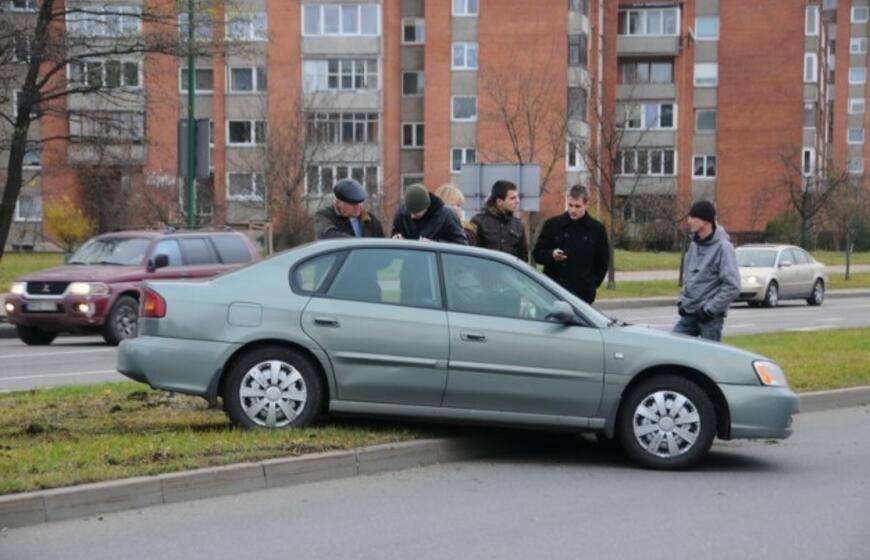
x: 487, y: 287
x: 231, y: 249
x: 170, y: 248
x: 801, y: 256
x: 196, y: 251
x: 395, y: 276
x: 309, y: 276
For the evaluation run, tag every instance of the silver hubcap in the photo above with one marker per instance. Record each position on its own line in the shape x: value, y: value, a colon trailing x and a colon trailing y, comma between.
x: 772, y: 295
x: 126, y: 322
x: 273, y: 394
x: 666, y: 424
x: 818, y: 293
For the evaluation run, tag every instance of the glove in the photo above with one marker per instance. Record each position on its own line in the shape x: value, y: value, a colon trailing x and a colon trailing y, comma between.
x: 703, y: 315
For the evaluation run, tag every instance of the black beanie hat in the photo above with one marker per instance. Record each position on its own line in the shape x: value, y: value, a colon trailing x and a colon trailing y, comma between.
x: 704, y: 210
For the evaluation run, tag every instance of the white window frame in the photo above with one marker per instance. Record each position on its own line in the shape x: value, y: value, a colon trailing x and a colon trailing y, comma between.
x: 252, y: 142
x: 203, y: 30
x: 467, y: 48
x: 702, y: 38
x: 334, y: 167
x: 706, y: 131
x: 103, y: 63
x: 461, y: 8
x: 811, y: 21
x: 644, y: 125
x: 453, y: 117
x: 333, y: 131
x: 419, y: 24
x: 704, y: 176
x: 706, y: 81
x: 417, y: 134
x: 23, y: 219
x: 853, y: 79
x: 863, y: 10
x: 29, y: 6
x: 321, y: 8
x: 649, y: 151
x: 811, y: 68
x: 421, y: 83
x: 463, y: 153
x: 855, y: 165
x: 182, y: 83
x: 644, y: 24
x: 858, y: 138
x: 34, y: 112
x: 255, y: 75
x: 30, y: 148
x: 858, y: 45
x: 96, y: 23
x: 319, y: 81
x: 256, y: 179
x: 574, y: 151
x: 252, y: 33
x: 808, y: 154
x: 857, y: 105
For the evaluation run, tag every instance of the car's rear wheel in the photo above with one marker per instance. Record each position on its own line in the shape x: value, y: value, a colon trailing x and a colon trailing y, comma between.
x: 122, y: 320
x: 273, y: 387
x: 818, y: 294
x: 771, y: 296
x: 666, y: 422
x: 33, y: 336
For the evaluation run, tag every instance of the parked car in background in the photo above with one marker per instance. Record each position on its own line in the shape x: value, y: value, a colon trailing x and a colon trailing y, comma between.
x: 97, y: 290
x: 445, y: 332
x: 771, y: 273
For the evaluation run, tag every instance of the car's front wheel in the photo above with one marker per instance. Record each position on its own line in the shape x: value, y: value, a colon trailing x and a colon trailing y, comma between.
x: 818, y: 294
x: 273, y: 387
x: 33, y: 336
x: 771, y: 296
x: 666, y: 422
x: 122, y: 320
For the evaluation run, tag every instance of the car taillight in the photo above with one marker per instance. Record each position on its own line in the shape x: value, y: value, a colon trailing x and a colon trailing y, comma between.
x: 153, y: 304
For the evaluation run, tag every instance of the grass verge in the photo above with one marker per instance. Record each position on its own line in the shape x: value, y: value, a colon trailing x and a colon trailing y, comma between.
x: 14, y: 265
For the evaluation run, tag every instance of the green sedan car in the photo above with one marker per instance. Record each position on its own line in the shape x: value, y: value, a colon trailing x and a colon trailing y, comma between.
x: 450, y: 333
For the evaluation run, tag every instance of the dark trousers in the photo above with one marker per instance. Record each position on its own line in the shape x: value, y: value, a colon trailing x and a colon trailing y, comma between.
x: 690, y: 325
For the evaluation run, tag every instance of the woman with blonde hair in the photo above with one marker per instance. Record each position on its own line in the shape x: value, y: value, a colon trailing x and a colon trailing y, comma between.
x: 455, y: 200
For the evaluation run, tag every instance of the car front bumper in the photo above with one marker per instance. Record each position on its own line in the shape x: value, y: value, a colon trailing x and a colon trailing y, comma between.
x: 760, y: 411
x: 67, y: 314
x: 751, y: 292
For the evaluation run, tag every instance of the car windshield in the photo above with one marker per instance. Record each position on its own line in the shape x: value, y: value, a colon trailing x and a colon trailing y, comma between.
x: 756, y: 257
x: 126, y: 251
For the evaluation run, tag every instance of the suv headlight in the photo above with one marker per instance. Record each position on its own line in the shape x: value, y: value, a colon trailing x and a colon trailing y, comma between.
x: 88, y: 288
x: 769, y: 373
x: 18, y: 288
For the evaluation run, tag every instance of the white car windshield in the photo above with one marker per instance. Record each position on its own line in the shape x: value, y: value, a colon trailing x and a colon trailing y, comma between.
x: 756, y: 257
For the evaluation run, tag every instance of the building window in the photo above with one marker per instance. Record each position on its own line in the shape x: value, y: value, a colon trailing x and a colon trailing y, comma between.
x: 858, y: 45
x: 202, y: 31
x: 23, y: 5
x: 32, y: 156
x: 413, y: 31
x: 247, y: 27
x: 809, y: 115
x: 857, y: 75
x: 707, y: 28
x: 859, y: 15
x: 464, y: 56
x: 811, y: 61
x: 341, y: 19
x: 320, y: 178
x: 342, y: 128
x: 115, y: 125
x: 808, y: 162
x: 811, y: 26
x: 647, y: 162
x: 577, y: 100
x: 705, y: 120
x: 650, y: 116
x: 412, y: 82
x: 459, y: 156
x: 574, y: 157
x: 855, y: 165
x: 412, y: 135
x: 93, y: 21
x: 704, y: 167
x: 660, y: 21
x: 247, y: 79
x: 464, y: 8
x: 246, y: 133
x: 646, y: 72
x: 857, y: 105
x: 706, y: 74
x: 581, y: 6
x: 464, y: 108
x: 108, y: 73
x: 340, y: 74
x: 19, y: 101
x: 22, y: 49
x: 855, y: 136
x: 204, y: 80
x: 577, y: 49
x: 246, y: 186
x: 411, y: 179
x: 28, y: 208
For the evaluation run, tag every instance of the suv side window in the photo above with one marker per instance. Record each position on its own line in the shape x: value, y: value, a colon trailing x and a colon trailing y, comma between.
x: 231, y: 249
x: 170, y: 248
x: 196, y: 251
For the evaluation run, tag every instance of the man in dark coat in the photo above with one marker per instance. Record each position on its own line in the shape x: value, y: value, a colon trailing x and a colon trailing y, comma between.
x: 423, y: 215
x: 496, y: 226
x: 347, y: 216
x: 573, y: 247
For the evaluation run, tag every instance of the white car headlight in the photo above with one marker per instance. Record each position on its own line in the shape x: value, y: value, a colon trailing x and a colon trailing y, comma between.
x: 769, y: 373
x: 751, y: 280
x: 18, y: 288
x: 88, y: 288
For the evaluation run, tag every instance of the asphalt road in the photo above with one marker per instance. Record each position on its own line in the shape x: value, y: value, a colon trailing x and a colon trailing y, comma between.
x: 78, y: 360
x: 557, y: 496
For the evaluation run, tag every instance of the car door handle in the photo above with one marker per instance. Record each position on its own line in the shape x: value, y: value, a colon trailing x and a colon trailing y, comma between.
x: 472, y: 337
x: 326, y: 322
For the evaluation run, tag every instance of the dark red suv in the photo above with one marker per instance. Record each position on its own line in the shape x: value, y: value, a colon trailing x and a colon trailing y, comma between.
x: 97, y: 291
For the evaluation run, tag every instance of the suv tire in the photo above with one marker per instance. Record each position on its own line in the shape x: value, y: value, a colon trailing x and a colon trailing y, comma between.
x: 122, y: 320
x: 33, y: 336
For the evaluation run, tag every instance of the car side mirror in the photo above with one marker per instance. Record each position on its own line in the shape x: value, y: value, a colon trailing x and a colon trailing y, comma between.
x: 784, y: 264
x: 562, y: 312
x: 159, y: 261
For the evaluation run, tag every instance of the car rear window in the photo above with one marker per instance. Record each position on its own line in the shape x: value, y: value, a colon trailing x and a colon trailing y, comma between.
x: 231, y: 249
x: 196, y: 251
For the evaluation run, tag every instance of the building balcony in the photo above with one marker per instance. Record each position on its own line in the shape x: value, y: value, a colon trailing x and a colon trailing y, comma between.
x: 648, y: 46
x: 646, y: 91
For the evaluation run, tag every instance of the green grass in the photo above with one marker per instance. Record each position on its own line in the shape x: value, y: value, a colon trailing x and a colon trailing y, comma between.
x: 833, y: 258
x: 14, y: 265
x: 816, y: 360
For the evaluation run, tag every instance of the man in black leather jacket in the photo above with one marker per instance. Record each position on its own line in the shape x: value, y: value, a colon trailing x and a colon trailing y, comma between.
x: 496, y: 226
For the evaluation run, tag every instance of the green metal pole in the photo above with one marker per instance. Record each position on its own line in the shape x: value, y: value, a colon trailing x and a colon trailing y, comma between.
x: 190, y: 207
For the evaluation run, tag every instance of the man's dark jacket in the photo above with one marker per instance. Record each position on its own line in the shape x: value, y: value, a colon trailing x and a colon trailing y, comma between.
x: 329, y: 224
x: 438, y: 224
x: 501, y: 231
x: 584, y: 241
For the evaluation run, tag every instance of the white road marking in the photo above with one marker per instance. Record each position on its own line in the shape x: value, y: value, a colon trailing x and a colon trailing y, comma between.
x: 49, y: 354
x: 831, y: 320
x: 59, y: 375
x: 802, y: 329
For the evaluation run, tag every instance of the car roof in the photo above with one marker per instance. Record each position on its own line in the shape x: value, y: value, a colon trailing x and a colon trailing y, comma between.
x: 158, y: 233
x: 371, y: 243
x: 768, y: 246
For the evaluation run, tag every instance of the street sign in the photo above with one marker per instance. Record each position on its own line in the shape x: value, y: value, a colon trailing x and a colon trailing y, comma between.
x: 476, y: 179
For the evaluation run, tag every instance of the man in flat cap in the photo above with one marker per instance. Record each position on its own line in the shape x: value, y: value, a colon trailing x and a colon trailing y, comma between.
x: 347, y: 216
x: 422, y: 215
x: 711, y: 280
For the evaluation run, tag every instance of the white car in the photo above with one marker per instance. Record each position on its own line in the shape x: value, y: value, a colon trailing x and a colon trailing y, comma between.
x: 770, y: 273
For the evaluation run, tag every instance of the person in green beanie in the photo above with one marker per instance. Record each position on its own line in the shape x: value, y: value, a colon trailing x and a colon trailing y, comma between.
x: 422, y: 215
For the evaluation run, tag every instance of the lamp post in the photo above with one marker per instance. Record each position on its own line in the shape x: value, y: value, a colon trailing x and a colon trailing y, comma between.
x: 190, y: 207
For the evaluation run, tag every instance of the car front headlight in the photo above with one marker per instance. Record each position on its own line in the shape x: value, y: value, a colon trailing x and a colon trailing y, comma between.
x: 751, y: 280
x: 88, y: 288
x: 18, y: 288
x: 769, y: 373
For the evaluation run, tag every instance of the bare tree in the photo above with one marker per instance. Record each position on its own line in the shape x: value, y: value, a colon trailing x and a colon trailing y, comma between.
x: 847, y: 210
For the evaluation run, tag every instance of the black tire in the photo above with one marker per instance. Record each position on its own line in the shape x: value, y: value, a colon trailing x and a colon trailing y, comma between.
x: 122, y: 320
x: 687, y: 432
x: 817, y: 296
x: 771, y: 295
x: 275, y: 397
x: 754, y: 303
x: 33, y: 336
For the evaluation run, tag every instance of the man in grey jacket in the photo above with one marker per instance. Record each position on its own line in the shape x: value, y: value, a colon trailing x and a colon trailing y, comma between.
x: 711, y: 280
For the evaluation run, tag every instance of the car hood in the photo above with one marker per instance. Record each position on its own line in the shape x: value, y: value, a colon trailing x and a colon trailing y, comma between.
x: 86, y: 273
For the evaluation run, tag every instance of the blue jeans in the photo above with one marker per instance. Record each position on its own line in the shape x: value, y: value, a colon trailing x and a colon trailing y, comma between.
x: 711, y: 330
